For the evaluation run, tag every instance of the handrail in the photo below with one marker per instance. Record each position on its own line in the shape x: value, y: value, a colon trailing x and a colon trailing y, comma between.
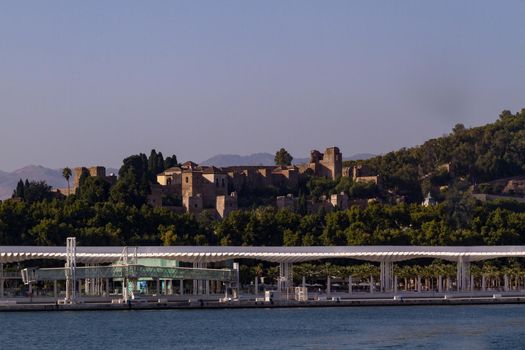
x: 31, y: 275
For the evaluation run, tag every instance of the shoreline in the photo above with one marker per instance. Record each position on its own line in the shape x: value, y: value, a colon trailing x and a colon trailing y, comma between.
x: 207, y: 305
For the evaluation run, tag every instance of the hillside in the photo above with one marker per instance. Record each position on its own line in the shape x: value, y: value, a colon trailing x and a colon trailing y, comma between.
x: 473, y: 155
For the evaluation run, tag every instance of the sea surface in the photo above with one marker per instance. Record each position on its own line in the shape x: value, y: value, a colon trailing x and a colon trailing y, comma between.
x: 420, y: 327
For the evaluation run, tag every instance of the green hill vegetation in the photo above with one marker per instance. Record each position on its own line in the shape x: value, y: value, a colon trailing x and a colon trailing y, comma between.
x: 474, y: 155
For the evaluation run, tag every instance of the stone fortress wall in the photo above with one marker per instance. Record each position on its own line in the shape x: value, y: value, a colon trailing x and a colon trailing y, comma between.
x: 193, y: 188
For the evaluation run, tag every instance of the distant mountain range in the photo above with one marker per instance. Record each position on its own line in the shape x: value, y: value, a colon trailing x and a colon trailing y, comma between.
x: 52, y: 177
x: 8, y: 181
x: 223, y: 160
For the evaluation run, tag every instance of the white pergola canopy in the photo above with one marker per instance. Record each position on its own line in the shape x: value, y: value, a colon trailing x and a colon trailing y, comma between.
x: 204, y: 254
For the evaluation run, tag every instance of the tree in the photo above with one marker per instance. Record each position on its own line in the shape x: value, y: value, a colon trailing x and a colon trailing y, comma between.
x: 505, y: 114
x: 94, y: 189
x: 170, y: 162
x: 32, y: 191
x: 19, y: 191
x: 318, y: 186
x: 458, y: 128
x: 129, y: 189
x: 66, y: 173
x: 133, y: 186
x: 155, y: 165
x: 364, y: 190
x: 282, y: 157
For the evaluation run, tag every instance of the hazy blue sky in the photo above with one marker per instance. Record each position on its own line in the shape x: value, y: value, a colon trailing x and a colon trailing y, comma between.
x: 90, y: 82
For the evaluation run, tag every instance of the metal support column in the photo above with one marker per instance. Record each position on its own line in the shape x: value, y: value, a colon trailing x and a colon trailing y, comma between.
x: 1, y: 280
x: 395, y: 284
x: 387, y: 272
x: 280, y: 281
x: 237, y: 285
x: 206, y: 283
x: 71, y: 267
x: 202, y: 285
x: 349, y: 284
x: 195, y: 282
x: 125, y: 294
x: 463, y: 274
x: 328, y: 285
x: 125, y: 286
x: 285, y: 276
x: 87, y: 284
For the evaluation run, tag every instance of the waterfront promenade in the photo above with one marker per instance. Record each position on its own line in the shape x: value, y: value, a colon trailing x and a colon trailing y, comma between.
x: 114, y: 278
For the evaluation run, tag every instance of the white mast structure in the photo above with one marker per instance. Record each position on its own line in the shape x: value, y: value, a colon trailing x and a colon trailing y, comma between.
x: 71, y: 267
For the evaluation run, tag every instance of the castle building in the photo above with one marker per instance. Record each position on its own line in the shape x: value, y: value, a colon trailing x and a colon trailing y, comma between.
x: 287, y: 202
x: 339, y: 200
x: 328, y: 164
x: 196, y: 188
x: 99, y: 171
x: 193, y: 204
x: 330, y: 203
x: 361, y: 173
x: 226, y: 204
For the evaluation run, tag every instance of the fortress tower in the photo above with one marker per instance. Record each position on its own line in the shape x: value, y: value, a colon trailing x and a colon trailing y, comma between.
x: 332, y: 163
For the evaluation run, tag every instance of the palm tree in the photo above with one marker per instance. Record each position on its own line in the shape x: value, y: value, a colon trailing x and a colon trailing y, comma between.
x: 404, y: 273
x: 365, y: 272
x: 66, y: 173
x: 492, y: 273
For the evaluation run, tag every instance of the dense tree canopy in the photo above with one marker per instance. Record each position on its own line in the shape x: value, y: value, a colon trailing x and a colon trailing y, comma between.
x: 282, y: 157
x: 95, y: 220
x: 32, y: 191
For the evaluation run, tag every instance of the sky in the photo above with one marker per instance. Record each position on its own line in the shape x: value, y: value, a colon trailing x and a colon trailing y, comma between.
x: 91, y: 82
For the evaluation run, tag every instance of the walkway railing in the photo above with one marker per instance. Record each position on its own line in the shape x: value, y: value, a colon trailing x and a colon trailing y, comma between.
x: 130, y: 271
x: 10, y: 275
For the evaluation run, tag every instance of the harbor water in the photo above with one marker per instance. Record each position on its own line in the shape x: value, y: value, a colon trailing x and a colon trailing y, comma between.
x: 410, y: 327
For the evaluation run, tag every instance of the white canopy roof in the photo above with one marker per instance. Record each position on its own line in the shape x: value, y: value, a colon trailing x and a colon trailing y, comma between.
x: 274, y: 254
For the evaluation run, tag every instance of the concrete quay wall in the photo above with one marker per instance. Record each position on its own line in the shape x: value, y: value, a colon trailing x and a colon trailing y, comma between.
x: 213, y: 304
